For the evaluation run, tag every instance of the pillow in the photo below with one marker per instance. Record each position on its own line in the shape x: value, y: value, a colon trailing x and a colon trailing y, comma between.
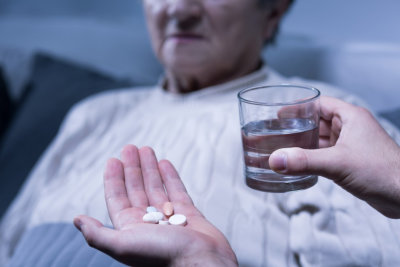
x: 6, y: 105
x: 15, y: 63
x: 55, y: 85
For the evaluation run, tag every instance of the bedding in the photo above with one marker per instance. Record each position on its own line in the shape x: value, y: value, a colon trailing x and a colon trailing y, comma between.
x: 58, y: 244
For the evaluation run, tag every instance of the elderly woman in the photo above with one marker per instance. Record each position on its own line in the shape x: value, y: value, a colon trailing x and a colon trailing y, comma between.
x: 210, y: 49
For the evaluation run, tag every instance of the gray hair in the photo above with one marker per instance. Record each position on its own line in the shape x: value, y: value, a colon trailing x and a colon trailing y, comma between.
x: 268, y: 3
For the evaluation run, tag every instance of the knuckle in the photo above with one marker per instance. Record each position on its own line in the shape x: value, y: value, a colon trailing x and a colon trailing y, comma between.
x: 365, y: 114
x: 147, y: 149
x: 363, y: 111
x: 90, y: 240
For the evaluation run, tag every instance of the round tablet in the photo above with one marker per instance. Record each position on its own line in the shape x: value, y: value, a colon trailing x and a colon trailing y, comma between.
x: 177, y: 219
x: 163, y: 222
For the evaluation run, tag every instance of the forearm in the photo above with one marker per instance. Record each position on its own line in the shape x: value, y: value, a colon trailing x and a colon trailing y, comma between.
x: 395, y: 177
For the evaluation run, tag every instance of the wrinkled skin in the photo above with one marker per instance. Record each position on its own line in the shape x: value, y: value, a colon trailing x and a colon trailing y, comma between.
x: 206, y: 42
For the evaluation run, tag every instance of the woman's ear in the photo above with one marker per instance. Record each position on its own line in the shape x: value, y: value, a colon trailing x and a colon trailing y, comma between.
x: 273, y: 15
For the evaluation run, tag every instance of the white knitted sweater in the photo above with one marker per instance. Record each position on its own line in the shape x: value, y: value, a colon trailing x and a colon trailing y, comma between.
x: 200, y: 133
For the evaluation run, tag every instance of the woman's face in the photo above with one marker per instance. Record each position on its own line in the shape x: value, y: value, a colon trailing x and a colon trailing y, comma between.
x: 206, y: 37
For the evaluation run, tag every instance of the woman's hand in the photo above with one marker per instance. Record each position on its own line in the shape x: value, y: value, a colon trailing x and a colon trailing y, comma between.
x: 132, y: 184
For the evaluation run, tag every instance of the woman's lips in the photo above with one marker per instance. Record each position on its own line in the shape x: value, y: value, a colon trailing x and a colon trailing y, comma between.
x: 185, y: 37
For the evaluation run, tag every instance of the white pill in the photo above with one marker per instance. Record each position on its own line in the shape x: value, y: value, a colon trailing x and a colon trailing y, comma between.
x: 177, y: 219
x: 153, y: 217
x: 149, y: 218
x: 151, y: 209
x: 163, y: 222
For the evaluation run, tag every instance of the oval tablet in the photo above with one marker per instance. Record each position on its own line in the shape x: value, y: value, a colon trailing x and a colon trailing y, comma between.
x: 168, y: 209
x: 153, y: 217
x: 177, y: 219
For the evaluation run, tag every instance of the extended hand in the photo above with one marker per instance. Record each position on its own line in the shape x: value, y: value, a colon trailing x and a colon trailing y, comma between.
x: 356, y: 153
x: 133, y: 184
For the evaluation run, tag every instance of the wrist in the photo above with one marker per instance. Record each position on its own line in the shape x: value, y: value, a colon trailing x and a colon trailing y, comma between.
x: 388, y: 199
x: 206, y: 252
x: 209, y: 259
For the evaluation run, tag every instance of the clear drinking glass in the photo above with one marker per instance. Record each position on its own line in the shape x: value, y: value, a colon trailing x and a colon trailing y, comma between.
x: 273, y: 117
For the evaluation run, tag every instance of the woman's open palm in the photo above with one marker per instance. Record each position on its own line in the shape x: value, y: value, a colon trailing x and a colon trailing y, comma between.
x: 132, y: 184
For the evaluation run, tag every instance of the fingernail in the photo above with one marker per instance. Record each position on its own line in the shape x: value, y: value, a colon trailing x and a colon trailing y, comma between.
x: 279, y: 161
x: 78, y: 224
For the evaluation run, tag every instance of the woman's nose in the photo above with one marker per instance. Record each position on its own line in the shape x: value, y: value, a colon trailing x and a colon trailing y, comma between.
x: 185, y: 11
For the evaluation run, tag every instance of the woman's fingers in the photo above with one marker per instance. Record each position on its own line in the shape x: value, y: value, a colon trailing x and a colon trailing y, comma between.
x: 141, y: 245
x: 137, y: 181
x: 133, y: 177
x: 114, y: 189
x: 95, y: 233
x: 152, y: 179
x: 173, y: 184
x: 102, y: 238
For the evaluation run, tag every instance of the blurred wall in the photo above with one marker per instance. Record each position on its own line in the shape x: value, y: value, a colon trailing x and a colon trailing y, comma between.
x: 353, y: 44
x: 115, y: 10
x: 355, y: 20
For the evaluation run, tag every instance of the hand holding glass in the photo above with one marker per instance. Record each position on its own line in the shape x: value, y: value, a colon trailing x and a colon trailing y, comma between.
x: 274, y: 117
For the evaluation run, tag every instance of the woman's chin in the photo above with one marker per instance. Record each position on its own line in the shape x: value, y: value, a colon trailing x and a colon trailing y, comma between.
x: 188, y: 67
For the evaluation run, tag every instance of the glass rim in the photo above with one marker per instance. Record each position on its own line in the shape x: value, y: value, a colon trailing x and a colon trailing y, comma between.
x: 288, y: 103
